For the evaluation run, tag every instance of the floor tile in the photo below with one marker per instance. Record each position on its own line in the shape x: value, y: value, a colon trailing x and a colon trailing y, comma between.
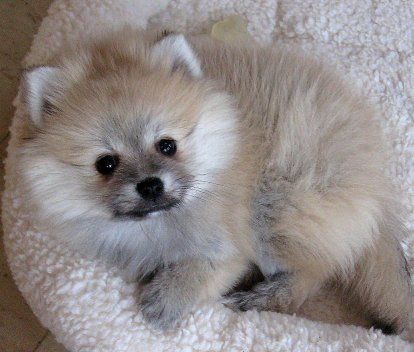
x: 19, y: 21
x: 49, y: 344
x: 20, y: 330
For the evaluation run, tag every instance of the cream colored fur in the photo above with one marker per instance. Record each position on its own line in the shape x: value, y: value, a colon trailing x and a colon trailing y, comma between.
x: 284, y: 161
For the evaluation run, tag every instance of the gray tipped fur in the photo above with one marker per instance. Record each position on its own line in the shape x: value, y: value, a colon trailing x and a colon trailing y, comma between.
x: 279, y: 163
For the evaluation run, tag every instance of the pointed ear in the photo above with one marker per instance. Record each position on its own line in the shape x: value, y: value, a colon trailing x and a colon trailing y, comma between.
x: 175, y: 51
x: 36, y: 87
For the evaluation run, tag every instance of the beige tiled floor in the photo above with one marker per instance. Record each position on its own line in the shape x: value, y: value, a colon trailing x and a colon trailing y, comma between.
x: 20, y: 331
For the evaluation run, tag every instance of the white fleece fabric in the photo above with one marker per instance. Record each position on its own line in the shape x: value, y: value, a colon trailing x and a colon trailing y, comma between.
x: 90, y: 308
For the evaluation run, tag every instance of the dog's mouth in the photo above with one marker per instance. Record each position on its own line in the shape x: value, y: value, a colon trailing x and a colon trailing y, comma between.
x: 144, y: 212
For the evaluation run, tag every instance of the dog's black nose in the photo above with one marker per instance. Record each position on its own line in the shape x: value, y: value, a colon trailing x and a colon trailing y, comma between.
x: 150, y: 188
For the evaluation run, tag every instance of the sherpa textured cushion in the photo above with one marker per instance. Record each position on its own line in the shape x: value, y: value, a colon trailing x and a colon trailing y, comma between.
x: 90, y: 308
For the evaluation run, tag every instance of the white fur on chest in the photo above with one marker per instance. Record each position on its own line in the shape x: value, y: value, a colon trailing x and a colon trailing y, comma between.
x: 139, y: 247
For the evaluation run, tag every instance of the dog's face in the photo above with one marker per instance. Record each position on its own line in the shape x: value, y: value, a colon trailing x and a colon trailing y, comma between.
x: 128, y: 141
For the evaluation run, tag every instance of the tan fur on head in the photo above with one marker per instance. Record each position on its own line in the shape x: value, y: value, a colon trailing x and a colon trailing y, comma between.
x: 112, y: 98
x: 277, y: 162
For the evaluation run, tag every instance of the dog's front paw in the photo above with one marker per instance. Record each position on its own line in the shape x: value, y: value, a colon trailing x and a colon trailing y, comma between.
x: 268, y: 295
x: 246, y: 300
x: 162, y: 303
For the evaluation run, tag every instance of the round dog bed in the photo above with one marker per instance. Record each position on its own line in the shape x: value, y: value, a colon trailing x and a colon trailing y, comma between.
x: 89, y: 307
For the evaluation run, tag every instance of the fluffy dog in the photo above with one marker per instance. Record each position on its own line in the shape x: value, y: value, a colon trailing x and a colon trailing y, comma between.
x: 188, y: 162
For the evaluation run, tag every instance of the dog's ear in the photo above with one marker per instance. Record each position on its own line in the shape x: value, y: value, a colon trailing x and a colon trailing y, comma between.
x: 174, y: 51
x: 37, y: 86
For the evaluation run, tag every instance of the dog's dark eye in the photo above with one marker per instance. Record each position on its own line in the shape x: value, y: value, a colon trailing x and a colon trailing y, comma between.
x: 107, y: 164
x: 167, y: 147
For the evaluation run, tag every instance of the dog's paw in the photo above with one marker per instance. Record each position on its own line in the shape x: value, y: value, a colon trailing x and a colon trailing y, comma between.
x: 163, y: 303
x: 245, y: 300
x: 268, y: 295
x: 158, y: 308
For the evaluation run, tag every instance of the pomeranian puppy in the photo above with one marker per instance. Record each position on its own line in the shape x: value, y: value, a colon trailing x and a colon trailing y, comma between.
x: 187, y: 163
